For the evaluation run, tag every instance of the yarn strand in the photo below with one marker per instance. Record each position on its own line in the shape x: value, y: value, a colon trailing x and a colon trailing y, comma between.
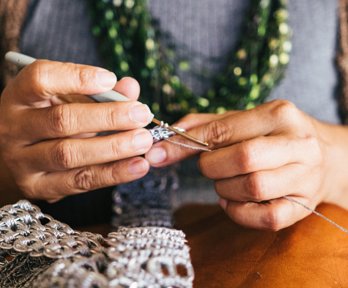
x: 188, y: 146
x: 345, y: 230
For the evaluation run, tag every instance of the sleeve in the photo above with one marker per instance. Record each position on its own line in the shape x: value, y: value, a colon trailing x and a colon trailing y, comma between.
x: 12, y: 15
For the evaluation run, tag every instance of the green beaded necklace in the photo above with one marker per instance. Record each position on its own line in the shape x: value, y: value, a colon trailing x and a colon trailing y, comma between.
x: 129, y: 40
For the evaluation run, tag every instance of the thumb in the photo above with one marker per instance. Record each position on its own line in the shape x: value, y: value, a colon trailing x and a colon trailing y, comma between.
x: 45, y: 79
x: 202, y: 126
x: 177, y: 148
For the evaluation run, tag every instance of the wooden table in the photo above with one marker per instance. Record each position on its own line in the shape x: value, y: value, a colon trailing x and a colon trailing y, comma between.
x: 311, y: 253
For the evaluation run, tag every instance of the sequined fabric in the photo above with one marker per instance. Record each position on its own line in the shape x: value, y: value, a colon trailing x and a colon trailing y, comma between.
x: 39, y: 251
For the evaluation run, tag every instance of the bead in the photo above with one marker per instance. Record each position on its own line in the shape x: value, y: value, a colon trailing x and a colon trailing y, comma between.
x: 203, y: 102
x: 273, y: 60
x: 184, y: 66
x: 150, y: 44
x: 284, y: 58
x: 284, y: 28
x: 262, y: 54
x: 237, y: 71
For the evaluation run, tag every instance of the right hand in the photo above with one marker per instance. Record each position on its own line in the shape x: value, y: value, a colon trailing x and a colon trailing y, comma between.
x: 41, y: 138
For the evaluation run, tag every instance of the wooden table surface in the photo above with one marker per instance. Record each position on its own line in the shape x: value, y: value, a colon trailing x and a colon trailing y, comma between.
x: 311, y: 253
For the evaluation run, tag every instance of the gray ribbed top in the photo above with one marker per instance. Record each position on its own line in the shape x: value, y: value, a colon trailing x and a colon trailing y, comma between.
x: 60, y: 30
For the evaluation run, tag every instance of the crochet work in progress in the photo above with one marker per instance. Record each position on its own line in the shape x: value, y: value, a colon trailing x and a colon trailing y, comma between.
x: 38, y: 251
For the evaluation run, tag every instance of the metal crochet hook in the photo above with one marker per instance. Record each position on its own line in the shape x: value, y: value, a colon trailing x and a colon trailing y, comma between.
x: 181, y: 133
x: 22, y: 60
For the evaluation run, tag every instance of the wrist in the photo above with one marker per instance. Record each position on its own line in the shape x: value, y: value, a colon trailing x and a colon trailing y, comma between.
x: 334, y: 142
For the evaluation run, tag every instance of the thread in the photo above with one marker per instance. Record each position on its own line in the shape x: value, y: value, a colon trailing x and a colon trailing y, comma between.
x: 188, y: 146
x: 345, y: 230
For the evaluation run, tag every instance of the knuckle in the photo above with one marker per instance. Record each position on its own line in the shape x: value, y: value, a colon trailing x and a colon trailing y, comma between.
x: 38, y: 76
x: 284, y: 111
x: 63, y: 155
x: 84, y: 76
x: 314, y: 148
x: 116, y: 177
x: 216, y: 132
x: 113, y: 117
x: 255, y: 187
x: 272, y: 220
x: 84, y: 179
x: 61, y: 120
x: 246, y: 157
x: 115, y: 147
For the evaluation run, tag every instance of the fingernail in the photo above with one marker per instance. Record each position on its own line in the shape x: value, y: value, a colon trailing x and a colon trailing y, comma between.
x: 106, y: 79
x: 223, y: 203
x: 141, y: 141
x: 137, y: 167
x: 156, y: 155
x: 140, y: 113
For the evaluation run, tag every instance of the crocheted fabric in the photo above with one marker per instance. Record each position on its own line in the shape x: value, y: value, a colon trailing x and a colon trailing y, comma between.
x: 38, y: 251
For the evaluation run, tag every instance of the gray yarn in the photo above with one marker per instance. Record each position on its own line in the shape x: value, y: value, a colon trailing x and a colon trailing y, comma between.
x: 328, y: 220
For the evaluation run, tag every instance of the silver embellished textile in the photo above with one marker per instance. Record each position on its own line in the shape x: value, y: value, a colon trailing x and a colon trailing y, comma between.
x: 161, y: 132
x: 38, y: 251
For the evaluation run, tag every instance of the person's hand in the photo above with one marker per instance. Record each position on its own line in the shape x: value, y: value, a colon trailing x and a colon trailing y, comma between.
x: 258, y: 157
x: 51, y: 147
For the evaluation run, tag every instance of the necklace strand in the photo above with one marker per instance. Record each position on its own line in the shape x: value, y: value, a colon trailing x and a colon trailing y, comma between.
x: 130, y: 41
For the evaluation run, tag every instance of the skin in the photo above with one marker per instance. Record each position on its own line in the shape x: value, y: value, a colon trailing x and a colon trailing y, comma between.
x: 49, y: 146
x: 260, y: 155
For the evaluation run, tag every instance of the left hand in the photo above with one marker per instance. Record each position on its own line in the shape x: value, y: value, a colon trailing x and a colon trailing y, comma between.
x: 258, y: 157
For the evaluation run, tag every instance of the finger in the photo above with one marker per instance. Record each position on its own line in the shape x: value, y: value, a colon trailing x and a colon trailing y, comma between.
x: 44, y: 79
x: 173, y: 150
x: 60, y: 155
x: 266, y: 185
x: 270, y: 118
x: 262, y: 153
x: 128, y: 87
x: 56, y: 185
x: 275, y: 215
x: 166, y: 152
x: 72, y: 119
x: 198, y: 119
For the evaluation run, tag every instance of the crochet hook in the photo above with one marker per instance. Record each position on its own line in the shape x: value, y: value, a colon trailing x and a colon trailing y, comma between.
x: 22, y: 60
